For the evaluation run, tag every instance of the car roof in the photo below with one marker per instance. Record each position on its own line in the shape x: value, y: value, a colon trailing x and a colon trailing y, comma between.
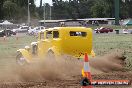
x: 63, y: 28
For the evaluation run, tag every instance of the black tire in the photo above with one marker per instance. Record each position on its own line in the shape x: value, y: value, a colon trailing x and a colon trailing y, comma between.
x: 106, y: 32
x: 20, y: 59
x: 35, y: 49
x: 85, y: 82
x: 50, y: 55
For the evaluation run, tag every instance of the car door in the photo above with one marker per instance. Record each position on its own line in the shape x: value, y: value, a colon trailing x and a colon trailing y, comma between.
x: 48, y: 40
x: 41, y: 44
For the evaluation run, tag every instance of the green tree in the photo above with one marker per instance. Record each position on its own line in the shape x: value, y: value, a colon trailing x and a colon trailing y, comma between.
x: 73, y: 9
x: 10, y: 9
x: 85, y: 8
x: 59, y: 9
x: 97, y: 11
x: 103, y: 8
x: 16, y: 9
x: 125, y: 9
x: 1, y: 9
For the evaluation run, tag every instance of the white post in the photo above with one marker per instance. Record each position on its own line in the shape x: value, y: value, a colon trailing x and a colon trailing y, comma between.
x: 50, y: 12
x: 28, y: 14
x: 44, y: 13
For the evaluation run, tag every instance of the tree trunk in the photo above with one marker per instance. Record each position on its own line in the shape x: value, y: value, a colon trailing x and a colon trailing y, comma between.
x: 40, y: 4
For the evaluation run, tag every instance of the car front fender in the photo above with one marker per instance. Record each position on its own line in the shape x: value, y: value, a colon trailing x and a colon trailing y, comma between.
x: 26, y: 54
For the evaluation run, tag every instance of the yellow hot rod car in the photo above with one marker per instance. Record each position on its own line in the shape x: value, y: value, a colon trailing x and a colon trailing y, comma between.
x: 57, y: 41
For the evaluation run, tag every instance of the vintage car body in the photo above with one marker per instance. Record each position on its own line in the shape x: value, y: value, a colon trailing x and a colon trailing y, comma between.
x: 73, y: 41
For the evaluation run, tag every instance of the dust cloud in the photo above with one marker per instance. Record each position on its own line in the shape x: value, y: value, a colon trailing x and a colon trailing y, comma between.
x: 108, y: 63
x: 62, y: 68
x: 47, y: 69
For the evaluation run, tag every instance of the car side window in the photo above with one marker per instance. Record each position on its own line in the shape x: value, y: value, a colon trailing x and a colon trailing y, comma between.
x: 49, y: 34
x: 77, y: 33
x: 55, y: 34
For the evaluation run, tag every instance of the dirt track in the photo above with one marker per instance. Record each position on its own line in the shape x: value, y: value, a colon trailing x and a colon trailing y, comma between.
x: 74, y: 82
x: 64, y: 74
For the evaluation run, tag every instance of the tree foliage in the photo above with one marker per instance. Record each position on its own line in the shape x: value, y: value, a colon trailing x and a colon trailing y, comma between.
x: 70, y: 9
x: 90, y: 8
x: 16, y: 9
x: 10, y: 9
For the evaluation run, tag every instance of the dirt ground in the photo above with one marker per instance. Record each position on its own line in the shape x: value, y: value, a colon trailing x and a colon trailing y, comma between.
x: 74, y: 82
x: 64, y: 73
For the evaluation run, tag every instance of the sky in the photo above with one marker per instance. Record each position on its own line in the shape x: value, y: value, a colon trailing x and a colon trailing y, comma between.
x: 46, y: 1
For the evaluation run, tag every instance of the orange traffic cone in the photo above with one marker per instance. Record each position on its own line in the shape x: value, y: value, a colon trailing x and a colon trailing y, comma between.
x: 86, y: 82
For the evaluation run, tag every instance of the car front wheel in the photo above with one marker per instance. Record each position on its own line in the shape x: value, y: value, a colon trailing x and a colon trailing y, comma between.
x: 20, y: 59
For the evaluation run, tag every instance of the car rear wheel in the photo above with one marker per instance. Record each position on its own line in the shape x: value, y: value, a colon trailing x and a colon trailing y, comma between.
x: 50, y: 55
x: 20, y: 59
